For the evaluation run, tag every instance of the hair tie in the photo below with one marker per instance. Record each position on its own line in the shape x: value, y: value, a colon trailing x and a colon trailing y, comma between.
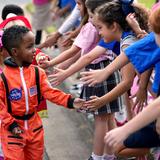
x: 1, y: 34
x: 127, y: 7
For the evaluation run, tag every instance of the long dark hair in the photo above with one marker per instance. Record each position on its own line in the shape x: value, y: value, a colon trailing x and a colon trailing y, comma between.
x: 115, y: 11
x: 85, y: 16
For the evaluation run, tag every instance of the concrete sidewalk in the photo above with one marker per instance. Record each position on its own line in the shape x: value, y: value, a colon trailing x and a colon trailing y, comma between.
x: 68, y: 134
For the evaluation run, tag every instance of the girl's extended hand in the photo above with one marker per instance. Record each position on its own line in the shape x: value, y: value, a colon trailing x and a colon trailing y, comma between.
x: 93, y: 104
x: 67, y: 41
x: 115, y: 137
x: 50, y: 41
x: 93, y: 77
x: 141, y: 100
x: 58, y: 77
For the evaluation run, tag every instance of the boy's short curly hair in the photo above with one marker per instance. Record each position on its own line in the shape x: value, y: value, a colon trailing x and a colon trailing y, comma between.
x: 11, y: 8
x: 154, y: 21
x: 13, y: 37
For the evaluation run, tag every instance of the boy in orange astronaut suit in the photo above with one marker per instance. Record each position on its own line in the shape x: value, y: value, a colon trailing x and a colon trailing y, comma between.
x: 22, y: 130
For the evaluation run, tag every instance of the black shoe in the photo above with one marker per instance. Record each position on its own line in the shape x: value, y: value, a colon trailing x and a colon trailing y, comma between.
x: 90, y: 158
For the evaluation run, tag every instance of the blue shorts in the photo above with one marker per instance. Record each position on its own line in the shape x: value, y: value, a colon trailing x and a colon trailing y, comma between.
x: 147, y: 137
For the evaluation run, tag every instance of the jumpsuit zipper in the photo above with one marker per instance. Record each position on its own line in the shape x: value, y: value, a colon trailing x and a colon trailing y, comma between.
x: 25, y: 94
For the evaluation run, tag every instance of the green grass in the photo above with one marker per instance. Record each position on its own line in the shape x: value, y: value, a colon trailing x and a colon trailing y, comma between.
x: 147, y: 3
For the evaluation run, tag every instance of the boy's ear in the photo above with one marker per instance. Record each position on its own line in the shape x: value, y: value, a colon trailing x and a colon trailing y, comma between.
x: 14, y: 51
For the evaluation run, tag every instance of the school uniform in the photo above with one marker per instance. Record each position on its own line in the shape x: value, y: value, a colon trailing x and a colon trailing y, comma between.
x: 146, y: 137
x: 114, y: 46
x: 145, y: 54
x: 87, y: 40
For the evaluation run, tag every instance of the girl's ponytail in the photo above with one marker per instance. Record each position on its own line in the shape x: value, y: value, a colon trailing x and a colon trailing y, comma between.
x: 142, y: 16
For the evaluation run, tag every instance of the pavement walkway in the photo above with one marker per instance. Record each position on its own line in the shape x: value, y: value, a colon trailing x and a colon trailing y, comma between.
x: 68, y: 134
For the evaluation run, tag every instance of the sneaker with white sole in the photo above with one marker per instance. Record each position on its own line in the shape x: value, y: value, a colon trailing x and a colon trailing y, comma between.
x: 90, y: 158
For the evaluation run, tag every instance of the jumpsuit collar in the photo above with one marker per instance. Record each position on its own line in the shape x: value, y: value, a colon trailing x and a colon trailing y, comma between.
x: 9, y: 61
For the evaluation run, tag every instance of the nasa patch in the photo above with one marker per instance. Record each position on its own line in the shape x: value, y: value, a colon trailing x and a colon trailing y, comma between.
x: 15, y: 94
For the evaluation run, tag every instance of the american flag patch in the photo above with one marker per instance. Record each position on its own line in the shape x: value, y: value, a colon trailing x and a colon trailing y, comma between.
x: 33, y: 91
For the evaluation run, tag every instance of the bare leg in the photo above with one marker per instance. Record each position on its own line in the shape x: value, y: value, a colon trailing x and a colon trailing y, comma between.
x: 111, y: 125
x: 99, y: 133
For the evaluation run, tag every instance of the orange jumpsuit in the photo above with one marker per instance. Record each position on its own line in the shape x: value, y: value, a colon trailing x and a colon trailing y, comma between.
x: 23, y: 97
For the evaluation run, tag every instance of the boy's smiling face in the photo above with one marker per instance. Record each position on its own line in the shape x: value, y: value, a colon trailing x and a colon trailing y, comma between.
x: 24, y: 53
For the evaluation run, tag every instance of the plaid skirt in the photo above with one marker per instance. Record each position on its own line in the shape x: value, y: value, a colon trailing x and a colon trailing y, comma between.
x: 103, y: 88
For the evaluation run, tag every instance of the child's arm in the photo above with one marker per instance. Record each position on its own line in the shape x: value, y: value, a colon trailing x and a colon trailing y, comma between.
x: 51, y: 40
x: 128, y: 74
x: 61, y: 58
x: 97, y: 76
x: 67, y: 25
x: 66, y: 64
x: 69, y: 36
x: 133, y: 23
x: 148, y: 115
x: 77, y: 66
x: 57, y: 96
x: 141, y: 95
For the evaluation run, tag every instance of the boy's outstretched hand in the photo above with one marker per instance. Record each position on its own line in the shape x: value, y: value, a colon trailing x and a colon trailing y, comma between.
x: 16, y: 131
x: 78, y: 103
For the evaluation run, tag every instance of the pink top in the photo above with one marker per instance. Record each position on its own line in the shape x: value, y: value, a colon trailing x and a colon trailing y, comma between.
x: 40, y: 2
x: 156, y: 6
x: 87, y: 39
